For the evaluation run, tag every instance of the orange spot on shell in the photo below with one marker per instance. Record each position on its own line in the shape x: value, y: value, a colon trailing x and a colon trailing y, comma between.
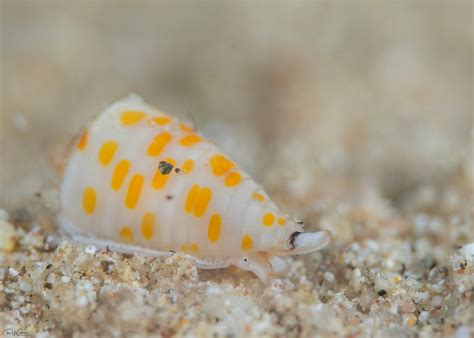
x: 159, y: 121
x: 188, y: 166
x: 126, y: 234
x: 214, y: 228
x: 268, y: 219
x: 81, y: 145
x: 134, y: 191
x: 148, y: 225
x: 184, y: 248
x: 120, y: 172
x: 233, y: 179
x: 190, y: 140
x: 281, y: 221
x: 247, y: 243
x: 202, y: 200
x: 184, y: 127
x: 107, y: 152
x: 258, y: 196
x: 197, y: 200
x: 192, y: 194
x: 158, y: 143
x: 193, y: 248
x: 220, y: 164
x: 132, y: 117
x: 88, y: 200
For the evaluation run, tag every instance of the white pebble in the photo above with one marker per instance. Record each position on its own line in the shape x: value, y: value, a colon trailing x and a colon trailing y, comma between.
x: 424, y: 315
x: 7, y: 234
x: 24, y: 286
x: 356, y: 279
x: 81, y: 301
x: 51, y: 278
x: 436, y: 301
x: 437, y: 288
x: 85, y: 294
x: 13, y: 272
x: 389, y: 264
x: 462, y: 332
x: 372, y: 245
x: 468, y: 249
x: 382, y: 282
x: 90, y: 249
x: 421, y: 296
x: 42, y: 334
x: 329, y: 277
x: 394, y: 309
x: 317, y: 308
x: 24, y: 310
x: 41, y: 266
x: 213, y: 290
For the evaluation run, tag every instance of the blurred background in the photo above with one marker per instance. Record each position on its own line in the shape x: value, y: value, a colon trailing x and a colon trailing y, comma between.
x: 314, y: 99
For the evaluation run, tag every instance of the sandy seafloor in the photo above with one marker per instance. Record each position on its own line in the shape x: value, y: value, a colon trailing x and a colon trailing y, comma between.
x: 409, y: 278
x: 356, y: 118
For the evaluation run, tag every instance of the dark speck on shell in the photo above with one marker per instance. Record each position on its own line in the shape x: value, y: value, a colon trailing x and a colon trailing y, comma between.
x: 165, y: 167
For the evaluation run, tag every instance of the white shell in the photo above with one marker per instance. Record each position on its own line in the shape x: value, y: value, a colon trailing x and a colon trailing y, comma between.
x: 172, y: 221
